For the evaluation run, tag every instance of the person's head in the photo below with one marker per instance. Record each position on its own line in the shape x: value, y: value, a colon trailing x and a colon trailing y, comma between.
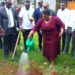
x: 40, y: 3
x: 8, y: 3
x: 18, y: 8
x: 3, y: 3
x: 46, y: 14
x: 46, y: 5
x: 27, y: 4
x: 62, y: 5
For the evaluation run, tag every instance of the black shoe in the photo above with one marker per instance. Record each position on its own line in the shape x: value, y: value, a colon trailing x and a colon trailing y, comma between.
x: 6, y: 57
x: 1, y: 47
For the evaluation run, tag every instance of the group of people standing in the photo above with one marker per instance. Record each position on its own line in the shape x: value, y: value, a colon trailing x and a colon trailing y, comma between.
x: 45, y: 21
x: 68, y: 18
x: 51, y: 28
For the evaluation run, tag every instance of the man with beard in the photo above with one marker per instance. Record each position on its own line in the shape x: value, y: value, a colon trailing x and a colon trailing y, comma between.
x: 63, y: 13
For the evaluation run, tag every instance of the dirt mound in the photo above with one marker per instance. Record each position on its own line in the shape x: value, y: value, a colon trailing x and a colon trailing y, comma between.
x: 10, y: 69
x: 34, y: 70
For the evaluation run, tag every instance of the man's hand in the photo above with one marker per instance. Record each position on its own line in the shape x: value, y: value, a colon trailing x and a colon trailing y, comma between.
x: 31, y: 19
x: 21, y: 28
x: 2, y: 33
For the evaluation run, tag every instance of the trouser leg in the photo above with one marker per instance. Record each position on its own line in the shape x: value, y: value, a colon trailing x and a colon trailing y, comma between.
x: 40, y: 40
x: 25, y: 35
x: 63, y: 41
x: 68, y: 38
x: 73, y: 44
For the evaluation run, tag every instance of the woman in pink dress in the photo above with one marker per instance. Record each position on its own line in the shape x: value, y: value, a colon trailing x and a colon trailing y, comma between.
x: 52, y: 29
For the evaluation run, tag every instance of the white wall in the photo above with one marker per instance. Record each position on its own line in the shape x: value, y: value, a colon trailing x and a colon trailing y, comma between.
x: 52, y: 4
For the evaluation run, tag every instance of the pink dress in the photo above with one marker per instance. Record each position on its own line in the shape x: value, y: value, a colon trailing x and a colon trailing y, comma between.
x: 51, y: 39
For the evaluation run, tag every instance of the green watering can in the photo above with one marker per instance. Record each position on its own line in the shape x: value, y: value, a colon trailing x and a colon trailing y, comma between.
x: 30, y: 44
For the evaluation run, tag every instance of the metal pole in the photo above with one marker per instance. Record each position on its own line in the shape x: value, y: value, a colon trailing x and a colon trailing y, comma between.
x: 34, y: 3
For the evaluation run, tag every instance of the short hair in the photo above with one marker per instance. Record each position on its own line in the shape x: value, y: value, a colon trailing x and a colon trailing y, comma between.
x: 63, y: 2
x: 27, y: 1
x: 46, y: 12
x: 46, y: 5
x: 41, y: 1
x: 6, y: 1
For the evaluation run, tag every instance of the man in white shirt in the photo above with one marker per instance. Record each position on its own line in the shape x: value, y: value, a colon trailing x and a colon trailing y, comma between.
x: 26, y: 20
x: 62, y: 13
x: 70, y: 32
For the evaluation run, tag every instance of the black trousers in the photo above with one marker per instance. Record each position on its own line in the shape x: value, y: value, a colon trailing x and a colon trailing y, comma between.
x: 1, y: 43
x: 63, y: 41
x: 39, y: 39
x: 25, y: 35
x: 9, y: 41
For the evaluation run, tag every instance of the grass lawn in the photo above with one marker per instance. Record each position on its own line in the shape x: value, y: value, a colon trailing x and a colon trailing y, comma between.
x: 64, y: 63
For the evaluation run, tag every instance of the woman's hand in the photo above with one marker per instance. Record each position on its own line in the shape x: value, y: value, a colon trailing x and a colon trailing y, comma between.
x: 61, y: 32
x: 30, y: 34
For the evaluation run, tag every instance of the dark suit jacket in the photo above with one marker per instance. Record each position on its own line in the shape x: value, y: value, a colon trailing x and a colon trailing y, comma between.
x: 37, y: 14
x: 52, y: 12
x: 4, y: 18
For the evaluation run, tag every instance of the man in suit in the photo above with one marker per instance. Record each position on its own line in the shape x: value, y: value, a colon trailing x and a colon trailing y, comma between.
x: 37, y: 15
x: 8, y: 23
x: 1, y: 42
x: 46, y: 6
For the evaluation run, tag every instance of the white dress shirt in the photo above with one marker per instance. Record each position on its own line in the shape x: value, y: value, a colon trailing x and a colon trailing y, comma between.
x: 41, y: 9
x: 71, y: 20
x: 26, y: 15
x: 10, y: 17
x: 63, y: 15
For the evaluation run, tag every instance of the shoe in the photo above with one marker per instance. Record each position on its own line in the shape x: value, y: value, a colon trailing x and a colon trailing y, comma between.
x: 5, y: 57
